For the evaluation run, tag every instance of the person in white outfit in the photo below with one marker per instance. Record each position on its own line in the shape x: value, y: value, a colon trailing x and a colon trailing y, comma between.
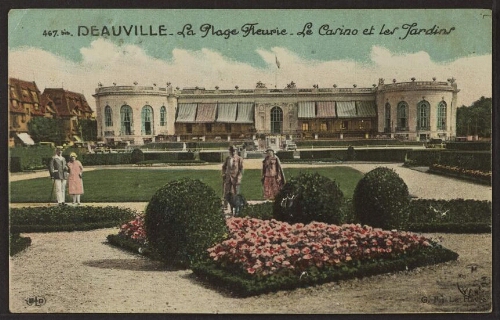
x: 59, y: 173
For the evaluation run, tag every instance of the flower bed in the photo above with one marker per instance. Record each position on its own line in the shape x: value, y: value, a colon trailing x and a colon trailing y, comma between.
x: 454, y: 171
x: 263, y: 256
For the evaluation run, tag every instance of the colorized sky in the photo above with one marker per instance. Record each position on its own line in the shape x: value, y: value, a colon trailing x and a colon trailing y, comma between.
x: 225, y: 48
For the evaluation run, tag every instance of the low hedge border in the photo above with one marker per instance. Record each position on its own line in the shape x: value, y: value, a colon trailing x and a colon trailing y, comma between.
x: 67, y: 218
x: 243, y: 285
x: 130, y: 245
x: 18, y: 243
x: 471, y: 227
x: 461, y: 176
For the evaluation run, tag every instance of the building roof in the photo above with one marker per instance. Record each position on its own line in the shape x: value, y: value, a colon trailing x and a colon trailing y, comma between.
x: 67, y: 103
x: 25, y: 94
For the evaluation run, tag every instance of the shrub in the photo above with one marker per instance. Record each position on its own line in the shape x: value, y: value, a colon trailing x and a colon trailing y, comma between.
x: 263, y: 211
x: 18, y: 243
x: 183, y: 219
x: 309, y: 197
x: 136, y: 156
x: 381, y: 199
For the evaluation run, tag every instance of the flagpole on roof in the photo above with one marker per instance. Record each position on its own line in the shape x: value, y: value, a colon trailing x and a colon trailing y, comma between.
x: 276, y: 73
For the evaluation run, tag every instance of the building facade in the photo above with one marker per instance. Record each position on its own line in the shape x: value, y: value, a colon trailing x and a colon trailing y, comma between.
x: 415, y: 110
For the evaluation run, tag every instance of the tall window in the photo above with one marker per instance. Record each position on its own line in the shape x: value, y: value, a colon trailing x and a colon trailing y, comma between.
x: 441, y: 118
x: 126, y: 118
x: 163, y: 112
x: 387, y: 117
x: 189, y: 128
x: 146, y: 120
x: 403, y: 115
x: 423, y: 108
x: 305, y: 126
x: 276, y: 120
x: 108, y: 119
x: 208, y: 127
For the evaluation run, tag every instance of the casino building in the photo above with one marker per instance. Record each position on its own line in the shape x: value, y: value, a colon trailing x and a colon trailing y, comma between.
x: 413, y: 110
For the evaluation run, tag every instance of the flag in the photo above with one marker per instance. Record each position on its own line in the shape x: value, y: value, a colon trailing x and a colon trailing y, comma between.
x: 277, y: 62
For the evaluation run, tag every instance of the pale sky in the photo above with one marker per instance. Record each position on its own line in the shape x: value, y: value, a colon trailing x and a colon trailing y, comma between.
x: 79, y: 63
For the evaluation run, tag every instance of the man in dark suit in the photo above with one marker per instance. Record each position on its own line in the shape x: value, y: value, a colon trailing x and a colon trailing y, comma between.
x: 59, y: 173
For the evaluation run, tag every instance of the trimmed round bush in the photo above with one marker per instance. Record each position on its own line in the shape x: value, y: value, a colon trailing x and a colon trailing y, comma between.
x: 183, y: 219
x: 309, y: 197
x: 381, y: 199
x: 136, y: 156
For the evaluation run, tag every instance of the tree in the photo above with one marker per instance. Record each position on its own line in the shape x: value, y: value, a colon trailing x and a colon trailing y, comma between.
x: 47, y: 129
x: 88, y: 129
x: 475, y: 119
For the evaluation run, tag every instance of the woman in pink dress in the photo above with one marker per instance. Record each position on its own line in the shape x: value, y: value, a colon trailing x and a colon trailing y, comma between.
x: 75, y: 181
x: 273, y: 177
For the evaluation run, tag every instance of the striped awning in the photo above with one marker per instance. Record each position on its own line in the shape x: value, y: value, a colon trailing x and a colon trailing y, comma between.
x: 245, y: 112
x: 346, y: 109
x: 226, y: 112
x: 206, y: 112
x: 307, y: 109
x: 366, y: 109
x: 186, y: 112
x: 326, y: 109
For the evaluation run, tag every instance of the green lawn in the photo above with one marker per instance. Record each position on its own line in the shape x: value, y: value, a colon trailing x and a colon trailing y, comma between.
x: 131, y: 185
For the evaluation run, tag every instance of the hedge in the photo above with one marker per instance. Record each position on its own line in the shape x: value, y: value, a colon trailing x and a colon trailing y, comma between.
x: 354, y: 143
x: 283, y: 155
x: 244, y: 285
x: 93, y: 159
x: 469, y: 146
x: 473, y: 160
x: 379, y: 155
x: 29, y: 158
x: 67, y: 218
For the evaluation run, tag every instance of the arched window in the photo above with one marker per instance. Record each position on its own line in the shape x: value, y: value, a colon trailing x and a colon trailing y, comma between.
x: 423, y: 109
x: 402, y: 116
x: 108, y: 118
x: 163, y: 113
x: 147, y: 120
x: 387, y: 117
x: 441, y: 116
x: 126, y: 119
x: 276, y: 120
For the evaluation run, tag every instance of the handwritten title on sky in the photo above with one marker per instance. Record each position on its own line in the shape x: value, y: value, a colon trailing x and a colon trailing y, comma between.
x: 309, y: 29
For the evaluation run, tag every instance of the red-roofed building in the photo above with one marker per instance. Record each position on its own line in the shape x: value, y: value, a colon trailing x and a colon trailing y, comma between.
x: 25, y: 102
x: 69, y: 106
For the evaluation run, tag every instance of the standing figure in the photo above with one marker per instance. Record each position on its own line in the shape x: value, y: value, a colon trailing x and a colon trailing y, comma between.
x: 59, y: 173
x: 232, y: 172
x: 75, y: 179
x: 273, y: 177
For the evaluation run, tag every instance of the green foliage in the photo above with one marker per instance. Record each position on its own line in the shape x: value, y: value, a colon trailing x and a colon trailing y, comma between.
x: 128, y: 244
x: 30, y: 158
x: 47, y: 129
x: 263, y: 211
x: 284, y: 155
x: 88, y: 129
x: 244, y: 285
x: 309, y: 197
x: 472, y: 160
x: 304, y: 144
x: 18, y: 243
x: 381, y: 199
x: 136, y: 156
x: 67, y: 218
x: 475, y: 119
x: 457, y: 215
x: 382, y: 155
x: 183, y: 219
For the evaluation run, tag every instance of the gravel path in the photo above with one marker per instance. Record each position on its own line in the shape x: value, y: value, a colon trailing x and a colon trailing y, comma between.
x: 80, y: 272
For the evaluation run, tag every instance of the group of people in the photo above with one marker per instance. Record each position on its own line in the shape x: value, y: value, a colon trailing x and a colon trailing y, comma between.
x: 70, y: 173
x: 62, y: 173
x: 272, y: 176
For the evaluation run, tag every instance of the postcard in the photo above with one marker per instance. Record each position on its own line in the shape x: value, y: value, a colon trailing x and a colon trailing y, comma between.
x: 333, y: 161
